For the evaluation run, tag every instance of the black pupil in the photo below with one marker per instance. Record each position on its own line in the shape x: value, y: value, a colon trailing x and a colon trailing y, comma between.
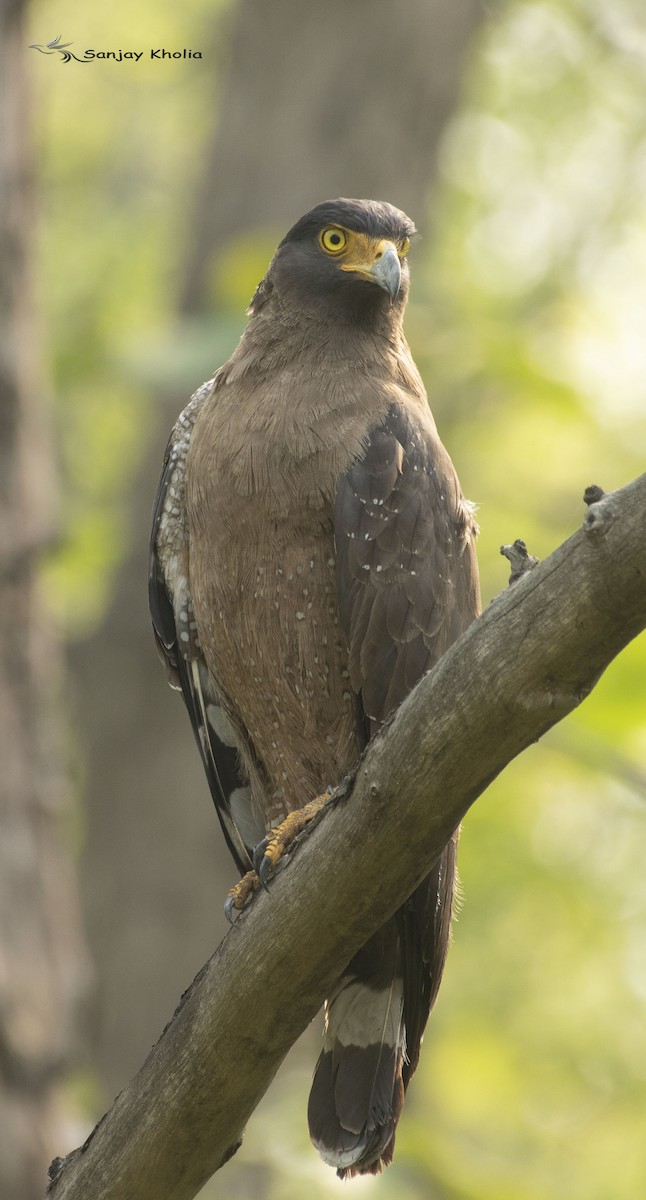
x: 335, y: 239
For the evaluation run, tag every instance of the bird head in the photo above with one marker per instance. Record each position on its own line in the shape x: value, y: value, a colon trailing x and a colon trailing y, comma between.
x: 344, y: 257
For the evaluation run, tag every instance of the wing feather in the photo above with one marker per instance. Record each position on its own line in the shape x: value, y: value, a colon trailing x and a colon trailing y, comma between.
x: 171, y: 608
x: 406, y: 570
x: 408, y: 586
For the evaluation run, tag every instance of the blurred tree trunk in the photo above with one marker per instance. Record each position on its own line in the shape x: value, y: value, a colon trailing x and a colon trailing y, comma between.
x: 316, y: 101
x: 42, y: 967
x: 327, y: 100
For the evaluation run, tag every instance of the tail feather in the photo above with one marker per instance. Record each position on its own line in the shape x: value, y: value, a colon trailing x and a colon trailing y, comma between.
x: 382, y: 1000
x: 348, y: 1135
x: 425, y: 928
x: 357, y: 1092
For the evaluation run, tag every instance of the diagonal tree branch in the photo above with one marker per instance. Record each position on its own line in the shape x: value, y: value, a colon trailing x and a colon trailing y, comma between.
x: 532, y: 657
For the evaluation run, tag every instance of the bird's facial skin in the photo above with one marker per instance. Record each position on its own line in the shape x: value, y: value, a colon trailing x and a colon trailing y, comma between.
x: 328, y: 262
x: 376, y: 259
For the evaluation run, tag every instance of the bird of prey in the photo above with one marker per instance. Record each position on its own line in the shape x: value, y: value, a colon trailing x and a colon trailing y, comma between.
x: 312, y: 557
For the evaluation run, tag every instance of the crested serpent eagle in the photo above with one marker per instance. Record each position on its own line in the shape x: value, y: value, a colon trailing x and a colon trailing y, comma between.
x: 312, y: 557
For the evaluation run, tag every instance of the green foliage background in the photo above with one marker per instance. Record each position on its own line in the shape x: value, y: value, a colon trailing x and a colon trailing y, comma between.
x: 527, y: 319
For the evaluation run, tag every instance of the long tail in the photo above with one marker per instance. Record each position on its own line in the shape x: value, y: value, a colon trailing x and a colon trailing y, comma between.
x: 381, y: 1002
x: 357, y: 1093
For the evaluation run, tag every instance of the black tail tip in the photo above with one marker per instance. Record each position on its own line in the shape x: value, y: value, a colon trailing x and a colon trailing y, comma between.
x: 353, y: 1146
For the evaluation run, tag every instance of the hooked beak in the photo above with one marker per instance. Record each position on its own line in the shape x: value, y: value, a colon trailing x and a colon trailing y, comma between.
x: 385, y: 269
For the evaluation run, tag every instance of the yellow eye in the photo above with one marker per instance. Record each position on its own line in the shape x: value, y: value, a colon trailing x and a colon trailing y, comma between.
x: 333, y: 240
x: 404, y: 247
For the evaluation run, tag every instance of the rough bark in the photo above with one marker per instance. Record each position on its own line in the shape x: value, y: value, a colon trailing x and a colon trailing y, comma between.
x: 41, y: 958
x: 316, y: 100
x: 532, y: 657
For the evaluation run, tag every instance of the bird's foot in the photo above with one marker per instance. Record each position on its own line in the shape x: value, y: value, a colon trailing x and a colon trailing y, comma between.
x: 269, y: 852
x: 239, y: 896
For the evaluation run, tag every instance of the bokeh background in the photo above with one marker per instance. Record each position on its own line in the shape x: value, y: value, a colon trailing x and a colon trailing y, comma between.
x: 143, y: 203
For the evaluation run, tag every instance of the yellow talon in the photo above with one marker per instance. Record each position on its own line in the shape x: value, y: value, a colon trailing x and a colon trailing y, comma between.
x: 288, y: 830
x: 274, y: 851
x: 239, y: 896
x: 277, y: 843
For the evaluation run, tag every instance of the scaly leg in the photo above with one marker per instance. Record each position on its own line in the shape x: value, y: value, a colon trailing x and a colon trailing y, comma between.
x: 239, y: 896
x: 271, y: 850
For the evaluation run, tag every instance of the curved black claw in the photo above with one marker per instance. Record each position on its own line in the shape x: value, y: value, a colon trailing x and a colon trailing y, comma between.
x: 258, y: 855
x: 262, y: 864
x: 229, y: 910
x: 265, y: 871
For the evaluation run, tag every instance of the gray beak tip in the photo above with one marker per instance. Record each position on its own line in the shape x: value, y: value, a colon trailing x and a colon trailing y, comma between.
x: 387, y: 272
